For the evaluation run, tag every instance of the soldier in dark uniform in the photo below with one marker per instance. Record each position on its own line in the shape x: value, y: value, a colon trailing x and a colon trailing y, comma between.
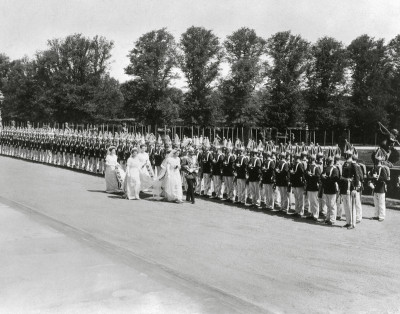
x: 282, y: 176
x: 313, y: 183
x: 199, y: 177
x: 241, y: 175
x: 349, y: 182
x: 207, y: 170
x: 228, y: 169
x: 91, y: 165
x: 362, y: 173
x: 379, y: 177
x: 254, y: 172
x: 86, y: 153
x: 159, y: 156
x: 218, y: 161
x: 268, y: 178
x: 96, y: 155
x: 297, y: 180
x: 103, y: 155
x: 330, y: 179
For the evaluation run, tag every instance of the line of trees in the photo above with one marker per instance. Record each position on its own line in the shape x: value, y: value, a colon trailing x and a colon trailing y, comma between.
x: 280, y: 82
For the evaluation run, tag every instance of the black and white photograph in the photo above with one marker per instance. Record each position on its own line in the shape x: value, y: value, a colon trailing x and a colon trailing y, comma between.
x: 199, y: 156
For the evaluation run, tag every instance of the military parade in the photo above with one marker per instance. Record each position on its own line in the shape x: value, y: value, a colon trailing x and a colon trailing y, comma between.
x: 323, y: 183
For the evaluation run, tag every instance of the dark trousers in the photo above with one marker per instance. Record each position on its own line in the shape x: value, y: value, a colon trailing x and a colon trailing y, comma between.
x: 190, y: 190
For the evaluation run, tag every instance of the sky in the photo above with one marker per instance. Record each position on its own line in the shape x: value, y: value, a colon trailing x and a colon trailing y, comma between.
x: 26, y: 25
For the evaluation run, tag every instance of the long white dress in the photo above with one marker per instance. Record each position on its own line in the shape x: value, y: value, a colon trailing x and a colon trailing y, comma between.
x: 173, y: 181
x: 132, y: 178
x: 146, y: 172
x: 110, y: 175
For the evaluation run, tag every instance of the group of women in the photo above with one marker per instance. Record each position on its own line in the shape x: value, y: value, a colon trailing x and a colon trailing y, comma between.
x: 139, y: 176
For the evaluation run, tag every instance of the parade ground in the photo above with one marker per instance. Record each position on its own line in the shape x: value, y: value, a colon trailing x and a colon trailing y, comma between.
x: 68, y: 247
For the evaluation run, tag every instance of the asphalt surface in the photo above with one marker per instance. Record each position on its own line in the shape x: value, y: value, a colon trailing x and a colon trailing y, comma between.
x: 68, y: 247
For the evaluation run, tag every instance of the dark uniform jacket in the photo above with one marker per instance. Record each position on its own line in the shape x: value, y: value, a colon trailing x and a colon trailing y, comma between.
x: 313, y: 178
x: 228, y: 168
x: 207, y: 162
x: 331, y: 179
x: 349, y: 179
x: 383, y: 177
x: 282, y: 173
x: 268, y: 172
x: 241, y: 167
x: 297, y: 178
x: 254, y: 169
x: 218, y: 162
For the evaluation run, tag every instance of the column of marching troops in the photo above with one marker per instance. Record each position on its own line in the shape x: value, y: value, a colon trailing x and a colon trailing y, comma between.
x: 323, y: 183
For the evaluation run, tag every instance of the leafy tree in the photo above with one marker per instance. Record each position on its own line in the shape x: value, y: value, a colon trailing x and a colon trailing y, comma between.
x: 4, y: 68
x: 73, y: 73
x: 328, y: 105
x: 393, y: 108
x: 152, y: 65
x: 200, y: 61
x: 369, y: 66
x: 289, y: 55
x: 243, y: 52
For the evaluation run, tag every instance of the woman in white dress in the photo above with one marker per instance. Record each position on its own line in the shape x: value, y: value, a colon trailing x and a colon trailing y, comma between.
x: 132, y: 178
x: 110, y: 174
x: 173, y: 181
x: 146, y: 172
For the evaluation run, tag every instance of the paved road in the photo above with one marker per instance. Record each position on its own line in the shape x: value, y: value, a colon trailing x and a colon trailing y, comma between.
x: 71, y: 247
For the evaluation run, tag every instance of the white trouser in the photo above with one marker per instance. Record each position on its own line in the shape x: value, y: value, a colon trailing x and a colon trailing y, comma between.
x: 284, y: 197
x: 306, y: 202
x: 339, y: 206
x: 229, y: 187
x: 330, y: 201
x: 314, y: 204
x: 358, y: 207
x: 277, y: 197
x: 241, y: 190
x: 269, y: 195
x: 299, y: 200
x: 254, y: 191
x: 349, y: 209
x: 380, y: 205
x: 217, y: 181
x: 198, y: 184
x: 322, y: 205
x: 207, y: 183
x: 263, y: 195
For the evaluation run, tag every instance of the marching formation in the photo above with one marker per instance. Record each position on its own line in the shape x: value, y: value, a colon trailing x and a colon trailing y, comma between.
x: 321, y: 182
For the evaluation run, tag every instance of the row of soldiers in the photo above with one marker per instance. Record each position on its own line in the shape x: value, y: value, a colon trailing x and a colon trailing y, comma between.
x: 319, y: 182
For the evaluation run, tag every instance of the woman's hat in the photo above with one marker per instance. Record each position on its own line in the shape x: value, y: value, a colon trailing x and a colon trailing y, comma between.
x: 111, y: 148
